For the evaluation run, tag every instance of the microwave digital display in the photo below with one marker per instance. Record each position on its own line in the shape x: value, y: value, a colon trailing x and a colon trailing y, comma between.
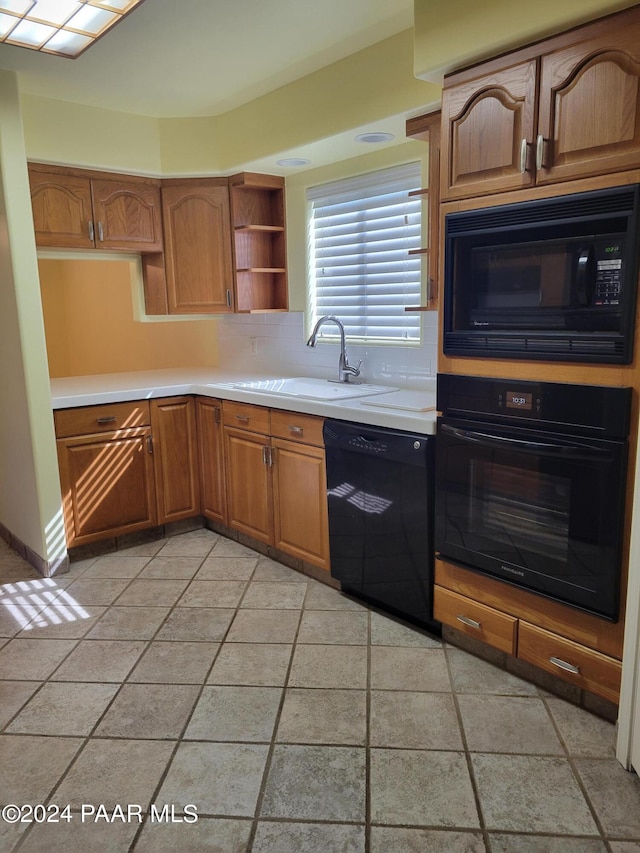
x: 551, y: 279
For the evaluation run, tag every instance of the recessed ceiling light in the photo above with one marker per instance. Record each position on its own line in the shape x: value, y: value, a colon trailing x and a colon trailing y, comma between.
x: 293, y: 161
x: 375, y: 137
x: 61, y: 27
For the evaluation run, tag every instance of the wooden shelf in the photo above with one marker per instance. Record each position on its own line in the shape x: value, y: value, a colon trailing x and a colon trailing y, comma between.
x: 246, y: 228
x: 261, y: 269
x: 418, y: 308
x: 414, y: 193
x: 418, y: 252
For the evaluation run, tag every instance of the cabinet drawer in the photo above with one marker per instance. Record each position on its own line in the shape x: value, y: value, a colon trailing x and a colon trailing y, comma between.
x: 476, y: 620
x: 577, y: 664
x: 246, y: 416
x: 105, y: 418
x: 296, y: 427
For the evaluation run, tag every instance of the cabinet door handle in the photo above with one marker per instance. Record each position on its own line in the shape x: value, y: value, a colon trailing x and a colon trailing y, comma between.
x: 91, y: 231
x: 244, y: 419
x: 109, y: 420
x: 271, y: 455
x: 466, y: 620
x: 296, y: 430
x: 100, y: 232
x: 568, y: 667
x: 217, y: 415
x: 540, y: 151
x: 524, y: 147
x: 264, y: 455
x: 150, y: 444
x: 228, y: 298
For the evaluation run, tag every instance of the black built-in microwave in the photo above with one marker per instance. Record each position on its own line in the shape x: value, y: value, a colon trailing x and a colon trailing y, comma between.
x: 551, y: 279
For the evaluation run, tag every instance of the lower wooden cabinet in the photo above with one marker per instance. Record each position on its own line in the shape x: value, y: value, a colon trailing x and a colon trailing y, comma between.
x: 506, y: 624
x: 213, y: 500
x: 276, y: 480
x: 106, y: 471
x: 175, y: 450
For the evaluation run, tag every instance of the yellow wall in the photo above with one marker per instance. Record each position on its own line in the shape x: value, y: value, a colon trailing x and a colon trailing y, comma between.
x: 90, y: 326
x: 450, y: 34
x: 30, y: 505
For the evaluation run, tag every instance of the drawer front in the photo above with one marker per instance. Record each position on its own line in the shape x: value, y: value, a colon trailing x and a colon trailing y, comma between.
x: 246, y: 416
x: 104, y: 418
x: 572, y: 662
x: 475, y: 620
x: 296, y: 427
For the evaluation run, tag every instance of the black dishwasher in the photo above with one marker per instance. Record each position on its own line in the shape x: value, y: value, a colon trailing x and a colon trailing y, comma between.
x: 380, y: 495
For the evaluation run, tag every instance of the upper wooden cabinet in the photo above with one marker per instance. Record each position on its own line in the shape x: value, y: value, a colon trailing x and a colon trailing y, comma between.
x: 197, y: 262
x: 82, y: 210
x: 258, y: 215
x: 565, y: 108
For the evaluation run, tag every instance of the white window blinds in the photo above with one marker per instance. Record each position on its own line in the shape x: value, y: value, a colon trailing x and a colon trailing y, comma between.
x: 361, y: 232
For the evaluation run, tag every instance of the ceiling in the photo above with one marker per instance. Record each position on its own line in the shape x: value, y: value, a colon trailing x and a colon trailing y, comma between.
x: 175, y: 58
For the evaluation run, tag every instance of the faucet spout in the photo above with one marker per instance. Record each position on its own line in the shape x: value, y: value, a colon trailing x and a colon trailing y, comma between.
x: 345, y: 370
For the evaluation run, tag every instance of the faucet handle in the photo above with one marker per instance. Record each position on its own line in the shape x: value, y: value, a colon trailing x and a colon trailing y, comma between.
x: 353, y: 371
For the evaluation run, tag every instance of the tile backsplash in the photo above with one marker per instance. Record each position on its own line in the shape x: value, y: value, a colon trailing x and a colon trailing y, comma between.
x: 268, y: 344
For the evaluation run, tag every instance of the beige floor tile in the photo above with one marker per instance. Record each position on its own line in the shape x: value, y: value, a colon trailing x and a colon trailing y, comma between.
x: 584, y: 734
x: 197, y: 543
x: 128, y: 623
x: 323, y: 716
x: 78, y: 837
x: 178, y: 568
x: 197, y: 624
x: 100, y: 661
x: 531, y: 793
x: 414, y: 720
x: 33, y: 660
x: 232, y: 713
x: 63, y: 620
x: 446, y: 796
x: 544, y: 844
x: 13, y: 695
x: 277, y: 595
x: 385, y: 839
x: 212, y: 594
x: 227, y: 568
x: 119, y: 565
x: 329, y: 666
x: 175, y: 663
x: 223, y: 835
x: 115, y: 771
x: 519, y: 724
x: 264, y: 626
x: 230, y: 548
x: 288, y: 837
x: 325, y: 783
x: 221, y: 778
x: 26, y: 777
x: 403, y: 668
x: 64, y: 709
x: 473, y: 675
x: 88, y: 590
x: 252, y: 664
x: 322, y: 597
x: 152, y: 592
x: 333, y: 626
x: 614, y: 794
x: 149, y: 711
x: 386, y: 631
x: 270, y: 570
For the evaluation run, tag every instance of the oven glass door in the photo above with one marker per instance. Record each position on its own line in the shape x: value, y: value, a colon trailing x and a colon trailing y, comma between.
x: 541, y: 510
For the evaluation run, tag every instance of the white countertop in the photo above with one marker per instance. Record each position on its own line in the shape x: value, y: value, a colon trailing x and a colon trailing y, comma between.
x: 401, y: 408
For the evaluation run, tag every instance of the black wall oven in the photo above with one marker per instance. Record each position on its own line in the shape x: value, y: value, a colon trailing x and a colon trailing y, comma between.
x: 530, y: 483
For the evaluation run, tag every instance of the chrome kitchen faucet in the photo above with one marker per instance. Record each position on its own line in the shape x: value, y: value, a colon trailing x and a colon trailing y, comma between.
x: 345, y: 371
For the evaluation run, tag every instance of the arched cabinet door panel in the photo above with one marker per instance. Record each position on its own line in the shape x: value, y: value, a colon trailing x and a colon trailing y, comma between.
x: 127, y: 215
x: 589, y: 117
x: 62, y: 211
x: 488, y: 126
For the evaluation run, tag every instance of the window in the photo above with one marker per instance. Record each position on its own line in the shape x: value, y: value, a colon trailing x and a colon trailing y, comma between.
x: 361, y: 232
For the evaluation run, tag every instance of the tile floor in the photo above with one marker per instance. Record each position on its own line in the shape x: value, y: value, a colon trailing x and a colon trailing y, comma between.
x: 192, y: 671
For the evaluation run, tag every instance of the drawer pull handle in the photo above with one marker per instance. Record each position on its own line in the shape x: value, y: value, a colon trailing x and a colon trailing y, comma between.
x: 296, y: 430
x: 467, y: 621
x: 109, y: 420
x: 568, y: 667
x: 244, y: 419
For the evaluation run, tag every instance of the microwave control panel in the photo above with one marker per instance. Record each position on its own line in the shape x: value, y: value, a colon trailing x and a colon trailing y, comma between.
x: 608, y: 282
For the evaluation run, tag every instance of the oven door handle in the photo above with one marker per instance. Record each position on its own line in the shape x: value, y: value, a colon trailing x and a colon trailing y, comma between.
x: 539, y: 447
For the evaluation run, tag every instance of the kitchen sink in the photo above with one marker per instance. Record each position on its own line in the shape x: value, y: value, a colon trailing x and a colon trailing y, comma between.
x: 309, y: 387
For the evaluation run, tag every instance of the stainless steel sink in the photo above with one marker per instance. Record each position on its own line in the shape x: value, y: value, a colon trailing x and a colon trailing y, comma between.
x: 309, y: 387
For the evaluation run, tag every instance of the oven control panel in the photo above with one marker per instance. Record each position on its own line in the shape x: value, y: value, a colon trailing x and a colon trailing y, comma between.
x: 520, y: 401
